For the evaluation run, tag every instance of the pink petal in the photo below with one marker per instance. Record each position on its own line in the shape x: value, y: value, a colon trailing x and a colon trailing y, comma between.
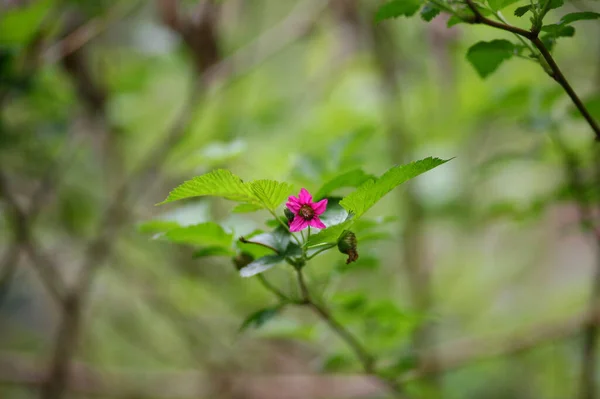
x: 293, y: 206
x: 293, y: 199
x: 316, y: 222
x: 298, y: 224
x: 305, y: 197
x: 319, y: 207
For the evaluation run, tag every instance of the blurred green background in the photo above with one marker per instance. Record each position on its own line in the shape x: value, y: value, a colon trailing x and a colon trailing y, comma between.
x: 482, y: 276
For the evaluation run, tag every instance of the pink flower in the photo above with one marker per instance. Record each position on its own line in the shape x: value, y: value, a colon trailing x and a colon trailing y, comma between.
x: 306, y: 211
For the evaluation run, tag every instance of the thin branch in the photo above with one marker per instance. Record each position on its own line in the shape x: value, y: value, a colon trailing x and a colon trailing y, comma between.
x: 480, y: 19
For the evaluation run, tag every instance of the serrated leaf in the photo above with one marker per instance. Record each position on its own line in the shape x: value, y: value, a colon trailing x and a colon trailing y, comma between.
x: 218, y: 183
x: 353, y: 178
x: 556, y: 30
x: 578, y: 16
x: 260, y: 265
x: 259, y: 318
x: 498, y: 5
x: 329, y: 235
x: 246, y: 208
x: 205, y: 234
x: 486, y: 57
x: 212, y: 251
x: 276, y: 240
x: 271, y: 193
x: 157, y: 226
x: 520, y: 11
x: 397, y: 8
x: 370, y: 192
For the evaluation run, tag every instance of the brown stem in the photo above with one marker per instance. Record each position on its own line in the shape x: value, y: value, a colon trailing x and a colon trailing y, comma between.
x: 556, y: 72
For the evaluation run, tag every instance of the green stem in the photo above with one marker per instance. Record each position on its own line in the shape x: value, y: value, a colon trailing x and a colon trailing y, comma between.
x: 285, y: 226
x: 320, y: 250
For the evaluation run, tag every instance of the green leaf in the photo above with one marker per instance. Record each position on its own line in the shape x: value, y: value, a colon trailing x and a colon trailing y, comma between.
x: 205, y: 234
x: 246, y: 208
x: 397, y: 8
x: 498, y: 5
x: 486, y: 57
x: 367, y: 195
x: 330, y: 235
x: 276, y: 240
x: 556, y: 30
x: 157, y: 226
x: 578, y: 16
x: 259, y: 318
x: 520, y: 11
x: 212, y: 251
x: 218, y: 183
x: 353, y: 178
x: 429, y: 11
x: 271, y: 193
x: 18, y: 25
x: 335, y: 213
x: 260, y: 265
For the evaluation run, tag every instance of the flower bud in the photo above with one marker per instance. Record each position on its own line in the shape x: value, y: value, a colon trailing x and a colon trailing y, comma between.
x: 242, y: 260
x: 348, y: 245
x: 289, y: 214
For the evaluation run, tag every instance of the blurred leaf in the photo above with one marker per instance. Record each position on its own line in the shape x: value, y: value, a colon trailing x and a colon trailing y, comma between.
x: 157, y: 226
x: 486, y: 57
x: 429, y: 11
x: 370, y: 192
x: 368, y: 263
x: 271, y: 193
x: 246, y: 208
x: 20, y: 24
x: 353, y: 178
x: 520, y: 11
x: 218, y: 183
x: 205, y: 234
x: 260, y: 265
x: 578, y: 16
x: 212, y: 251
x: 276, y: 240
x: 334, y: 214
x: 397, y: 8
x: 556, y: 30
x: 259, y: 318
x: 338, y: 363
x: 500, y: 4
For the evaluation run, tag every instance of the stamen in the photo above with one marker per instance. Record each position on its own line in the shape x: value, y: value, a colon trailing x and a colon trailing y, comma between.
x: 306, y: 212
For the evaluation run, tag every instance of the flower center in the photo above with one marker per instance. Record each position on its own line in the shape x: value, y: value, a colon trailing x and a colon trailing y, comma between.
x: 306, y: 212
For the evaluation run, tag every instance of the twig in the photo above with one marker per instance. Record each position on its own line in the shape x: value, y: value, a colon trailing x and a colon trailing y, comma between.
x: 556, y: 72
x: 366, y: 359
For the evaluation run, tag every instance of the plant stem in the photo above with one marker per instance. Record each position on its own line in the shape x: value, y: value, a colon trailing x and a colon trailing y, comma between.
x: 556, y: 72
x: 365, y: 358
x: 320, y: 250
x: 265, y: 283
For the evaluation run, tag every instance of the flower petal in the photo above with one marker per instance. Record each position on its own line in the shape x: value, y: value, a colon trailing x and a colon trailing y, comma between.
x: 319, y: 207
x: 299, y: 223
x: 316, y: 222
x: 293, y: 206
x: 305, y: 197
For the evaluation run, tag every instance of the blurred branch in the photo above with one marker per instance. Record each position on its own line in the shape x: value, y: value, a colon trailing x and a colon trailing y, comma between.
x: 363, y: 355
x: 554, y: 72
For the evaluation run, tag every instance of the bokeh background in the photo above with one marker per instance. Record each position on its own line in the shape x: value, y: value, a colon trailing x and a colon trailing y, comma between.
x: 476, y: 286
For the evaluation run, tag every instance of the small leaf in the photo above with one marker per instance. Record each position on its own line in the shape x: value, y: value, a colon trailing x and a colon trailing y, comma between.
x: 330, y: 235
x: 353, y: 178
x: 276, y: 240
x: 486, y: 57
x: 578, y: 16
x: 218, y: 183
x: 259, y: 318
x: 205, y: 234
x: 370, y: 192
x: 260, y: 265
x: 397, y: 8
x: 429, y: 11
x: 271, y: 193
x: 520, y: 11
x: 246, y: 208
x: 212, y: 251
x: 556, y: 30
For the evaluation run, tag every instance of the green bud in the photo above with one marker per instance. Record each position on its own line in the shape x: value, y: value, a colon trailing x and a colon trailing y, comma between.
x: 289, y: 214
x: 348, y: 245
x: 242, y: 260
